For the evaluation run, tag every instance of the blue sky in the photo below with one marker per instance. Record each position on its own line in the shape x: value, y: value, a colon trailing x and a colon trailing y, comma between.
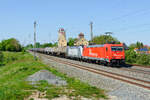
x: 129, y: 20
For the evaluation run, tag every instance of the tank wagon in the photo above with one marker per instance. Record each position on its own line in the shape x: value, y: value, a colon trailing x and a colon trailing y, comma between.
x: 107, y: 54
x: 56, y: 51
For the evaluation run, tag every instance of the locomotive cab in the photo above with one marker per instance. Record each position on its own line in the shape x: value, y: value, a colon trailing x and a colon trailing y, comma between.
x: 117, y: 55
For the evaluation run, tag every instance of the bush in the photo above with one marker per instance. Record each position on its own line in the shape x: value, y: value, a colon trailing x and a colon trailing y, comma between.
x: 71, y: 41
x: 143, y: 59
x: 130, y: 56
x: 10, y: 56
x: 134, y: 58
x: 10, y: 45
x: 1, y: 58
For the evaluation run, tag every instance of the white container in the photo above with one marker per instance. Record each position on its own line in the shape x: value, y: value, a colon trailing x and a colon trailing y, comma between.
x: 74, y: 52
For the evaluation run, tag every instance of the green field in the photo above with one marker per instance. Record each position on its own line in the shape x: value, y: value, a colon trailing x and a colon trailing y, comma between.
x: 18, y: 66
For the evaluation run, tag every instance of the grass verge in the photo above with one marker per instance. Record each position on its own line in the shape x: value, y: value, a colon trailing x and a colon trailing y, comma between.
x: 18, y: 66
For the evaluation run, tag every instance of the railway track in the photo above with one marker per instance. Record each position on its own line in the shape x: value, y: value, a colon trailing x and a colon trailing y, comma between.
x: 148, y: 67
x: 136, y: 70
x: 123, y: 78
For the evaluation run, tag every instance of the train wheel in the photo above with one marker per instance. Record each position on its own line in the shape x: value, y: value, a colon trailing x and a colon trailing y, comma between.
x: 99, y: 62
x: 105, y: 63
x: 94, y: 61
x: 88, y: 61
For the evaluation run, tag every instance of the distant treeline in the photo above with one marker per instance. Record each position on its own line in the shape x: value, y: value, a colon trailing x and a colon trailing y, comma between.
x: 38, y: 45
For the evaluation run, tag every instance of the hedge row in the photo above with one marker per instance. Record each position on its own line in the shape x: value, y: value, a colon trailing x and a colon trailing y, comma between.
x: 136, y: 58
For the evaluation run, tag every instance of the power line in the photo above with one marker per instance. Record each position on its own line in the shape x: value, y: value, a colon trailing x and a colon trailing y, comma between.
x: 132, y: 27
x: 143, y: 30
x: 130, y: 14
x: 113, y: 20
x: 142, y: 11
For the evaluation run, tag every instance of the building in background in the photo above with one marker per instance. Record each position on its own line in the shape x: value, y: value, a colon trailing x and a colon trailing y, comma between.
x: 81, y: 40
x: 142, y: 50
x: 62, y: 42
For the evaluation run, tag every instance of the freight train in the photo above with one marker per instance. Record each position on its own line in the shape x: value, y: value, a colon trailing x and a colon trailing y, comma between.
x: 106, y: 54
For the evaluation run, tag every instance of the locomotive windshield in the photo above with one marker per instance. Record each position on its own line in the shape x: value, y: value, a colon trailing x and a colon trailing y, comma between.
x: 116, y: 48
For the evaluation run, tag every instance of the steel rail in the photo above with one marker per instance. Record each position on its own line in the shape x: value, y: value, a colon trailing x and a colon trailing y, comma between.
x: 136, y: 65
x: 136, y: 70
x: 105, y: 73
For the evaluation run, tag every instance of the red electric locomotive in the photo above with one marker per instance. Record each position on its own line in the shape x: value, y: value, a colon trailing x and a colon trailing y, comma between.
x: 109, y: 54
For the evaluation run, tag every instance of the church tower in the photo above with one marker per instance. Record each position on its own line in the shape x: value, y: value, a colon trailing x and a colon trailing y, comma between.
x: 62, y: 42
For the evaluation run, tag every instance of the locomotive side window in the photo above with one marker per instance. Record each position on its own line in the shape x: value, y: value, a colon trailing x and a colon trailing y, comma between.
x: 117, y: 48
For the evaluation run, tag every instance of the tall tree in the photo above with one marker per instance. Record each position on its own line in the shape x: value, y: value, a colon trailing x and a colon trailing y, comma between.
x: 10, y: 45
x: 136, y: 45
x: 71, y: 41
x: 29, y: 46
x: 139, y: 45
x: 46, y: 45
x: 103, y: 39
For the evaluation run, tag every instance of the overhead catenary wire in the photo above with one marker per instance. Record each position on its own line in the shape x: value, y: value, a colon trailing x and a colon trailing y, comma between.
x: 139, y: 26
x: 130, y: 14
x: 123, y: 17
x: 143, y: 30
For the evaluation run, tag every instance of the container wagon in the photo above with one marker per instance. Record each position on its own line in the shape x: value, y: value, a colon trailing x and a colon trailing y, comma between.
x: 74, y: 52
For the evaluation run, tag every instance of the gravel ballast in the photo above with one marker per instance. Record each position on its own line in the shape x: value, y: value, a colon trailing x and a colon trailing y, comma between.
x: 47, y: 76
x: 141, y: 75
x: 116, y: 88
